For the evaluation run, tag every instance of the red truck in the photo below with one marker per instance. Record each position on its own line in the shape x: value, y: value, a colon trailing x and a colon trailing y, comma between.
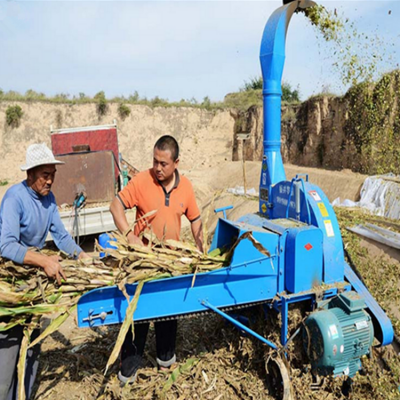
x: 93, y: 173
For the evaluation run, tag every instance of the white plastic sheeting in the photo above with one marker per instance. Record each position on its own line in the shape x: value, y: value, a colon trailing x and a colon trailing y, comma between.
x: 379, y: 194
x: 239, y: 190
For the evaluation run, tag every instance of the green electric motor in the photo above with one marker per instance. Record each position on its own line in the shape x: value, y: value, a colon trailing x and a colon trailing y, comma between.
x: 336, y: 337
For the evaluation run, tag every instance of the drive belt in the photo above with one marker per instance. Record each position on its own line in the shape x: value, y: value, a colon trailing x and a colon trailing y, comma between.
x: 201, y: 313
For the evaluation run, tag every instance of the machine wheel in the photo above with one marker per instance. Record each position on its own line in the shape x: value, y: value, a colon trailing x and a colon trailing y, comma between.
x: 278, y: 378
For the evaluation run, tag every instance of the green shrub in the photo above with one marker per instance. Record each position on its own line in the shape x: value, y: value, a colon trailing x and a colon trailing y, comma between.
x: 158, y: 102
x: 254, y: 84
x: 13, y: 116
x: 289, y: 95
x: 61, y: 97
x: 31, y: 95
x: 134, y: 97
x: 3, y: 182
x: 206, y: 103
x: 124, y: 111
x: 101, y: 103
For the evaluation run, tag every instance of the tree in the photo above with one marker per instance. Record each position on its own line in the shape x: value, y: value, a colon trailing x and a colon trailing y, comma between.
x: 288, y: 94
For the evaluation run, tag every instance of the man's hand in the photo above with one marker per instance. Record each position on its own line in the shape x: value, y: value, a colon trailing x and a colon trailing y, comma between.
x: 118, y: 213
x: 133, y: 239
x: 50, y: 264
x: 83, y: 255
x: 52, y: 268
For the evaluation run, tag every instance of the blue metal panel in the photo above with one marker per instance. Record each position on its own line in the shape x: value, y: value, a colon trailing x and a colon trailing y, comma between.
x: 322, y: 216
x: 251, y: 277
x: 253, y: 219
x: 225, y: 235
x: 303, y: 259
x: 225, y: 287
x: 263, y: 224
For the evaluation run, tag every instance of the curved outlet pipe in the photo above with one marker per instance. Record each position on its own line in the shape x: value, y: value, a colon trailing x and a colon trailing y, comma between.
x: 272, y: 58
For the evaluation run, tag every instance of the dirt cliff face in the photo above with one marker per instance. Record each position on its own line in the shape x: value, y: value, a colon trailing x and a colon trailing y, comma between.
x: 359, y: 131
x: 316, y: 137
x: 205, y: 137
x: 312, y: 133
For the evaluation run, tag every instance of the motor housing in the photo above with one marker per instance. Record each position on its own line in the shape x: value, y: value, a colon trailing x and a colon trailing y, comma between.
x: 336, y: 337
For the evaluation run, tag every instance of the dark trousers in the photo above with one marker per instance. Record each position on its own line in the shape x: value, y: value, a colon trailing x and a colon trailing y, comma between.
x: 10, y: 343
x: 165, y: 340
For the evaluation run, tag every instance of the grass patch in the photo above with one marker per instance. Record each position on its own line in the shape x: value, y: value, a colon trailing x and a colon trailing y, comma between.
x: 102, y: 102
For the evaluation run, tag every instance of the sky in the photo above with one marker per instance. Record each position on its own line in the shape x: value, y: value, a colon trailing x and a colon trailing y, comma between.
x: 171, y: 49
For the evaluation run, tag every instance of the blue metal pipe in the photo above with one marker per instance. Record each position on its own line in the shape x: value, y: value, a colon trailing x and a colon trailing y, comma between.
x: 238, y: 324
x: 272, y: 59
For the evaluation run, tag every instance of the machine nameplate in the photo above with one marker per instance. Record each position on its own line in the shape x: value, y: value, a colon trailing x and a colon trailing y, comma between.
x: 284, y: 201
x: 361, y: 325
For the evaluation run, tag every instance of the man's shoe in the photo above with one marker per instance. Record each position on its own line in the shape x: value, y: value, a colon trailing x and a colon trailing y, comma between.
x: 129, y: 369
x: 165, y: 365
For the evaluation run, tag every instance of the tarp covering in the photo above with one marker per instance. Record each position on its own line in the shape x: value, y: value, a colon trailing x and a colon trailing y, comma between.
x: 380, y: 194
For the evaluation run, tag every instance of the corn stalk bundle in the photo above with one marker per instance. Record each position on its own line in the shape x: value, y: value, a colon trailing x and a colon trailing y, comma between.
x: 26, y: 293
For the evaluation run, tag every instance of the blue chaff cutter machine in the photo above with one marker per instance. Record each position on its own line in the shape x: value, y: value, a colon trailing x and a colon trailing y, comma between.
x: 298, y: 227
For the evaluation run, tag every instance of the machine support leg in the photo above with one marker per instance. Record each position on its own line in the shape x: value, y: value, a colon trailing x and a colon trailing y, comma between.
x: 284, y: 329
x: 238, y: 324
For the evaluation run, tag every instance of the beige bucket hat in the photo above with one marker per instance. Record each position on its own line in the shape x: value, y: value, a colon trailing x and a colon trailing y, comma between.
x: 39, y: 154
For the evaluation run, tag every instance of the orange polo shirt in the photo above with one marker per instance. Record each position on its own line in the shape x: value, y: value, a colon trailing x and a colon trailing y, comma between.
x: 146, y: 193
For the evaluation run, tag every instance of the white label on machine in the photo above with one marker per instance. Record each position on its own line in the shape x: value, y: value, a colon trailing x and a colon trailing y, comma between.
x: 361, y: 325
x: 264, y: 178
x: 315, y: 195
x: 334, y: 331
x: 329, y: 228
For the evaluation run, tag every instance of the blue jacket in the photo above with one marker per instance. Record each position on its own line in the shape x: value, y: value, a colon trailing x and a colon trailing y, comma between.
x: 26, y: 218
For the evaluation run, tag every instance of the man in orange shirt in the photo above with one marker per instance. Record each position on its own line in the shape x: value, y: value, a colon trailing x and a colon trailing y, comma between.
x: 171, y: 195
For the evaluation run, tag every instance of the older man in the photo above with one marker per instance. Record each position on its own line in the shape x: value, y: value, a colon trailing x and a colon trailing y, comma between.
x: 163, y: 189
x: 28, y: 212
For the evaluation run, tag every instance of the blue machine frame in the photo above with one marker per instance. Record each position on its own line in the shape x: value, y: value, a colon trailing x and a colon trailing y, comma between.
x: 296, y: 225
